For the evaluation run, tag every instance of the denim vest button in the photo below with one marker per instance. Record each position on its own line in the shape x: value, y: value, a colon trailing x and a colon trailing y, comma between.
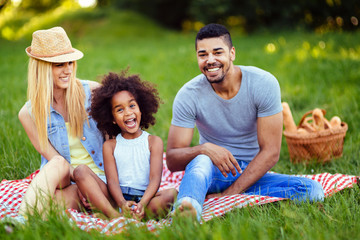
x: 83, y: 138
x: 100, y: 164
x: 92, y: 152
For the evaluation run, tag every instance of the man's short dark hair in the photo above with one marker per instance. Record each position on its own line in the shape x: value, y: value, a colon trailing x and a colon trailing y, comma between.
x: 214, y: 30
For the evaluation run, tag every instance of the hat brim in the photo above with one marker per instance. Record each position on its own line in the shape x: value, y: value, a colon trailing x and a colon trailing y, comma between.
x: 68, y: 57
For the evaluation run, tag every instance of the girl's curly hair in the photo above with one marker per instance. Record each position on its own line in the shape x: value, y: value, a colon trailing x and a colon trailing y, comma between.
x: 145, y: 93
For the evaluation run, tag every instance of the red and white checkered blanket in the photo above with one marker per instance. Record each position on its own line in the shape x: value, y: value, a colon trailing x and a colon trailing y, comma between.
x: 12, y: 191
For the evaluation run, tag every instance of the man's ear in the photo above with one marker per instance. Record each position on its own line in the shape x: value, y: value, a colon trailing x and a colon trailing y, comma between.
x: 232, y: 54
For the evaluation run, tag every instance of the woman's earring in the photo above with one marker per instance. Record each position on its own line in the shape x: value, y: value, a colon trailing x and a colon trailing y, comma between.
x: 114, y: 122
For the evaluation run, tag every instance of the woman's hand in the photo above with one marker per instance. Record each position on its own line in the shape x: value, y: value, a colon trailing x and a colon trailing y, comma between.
x: 83, y: 200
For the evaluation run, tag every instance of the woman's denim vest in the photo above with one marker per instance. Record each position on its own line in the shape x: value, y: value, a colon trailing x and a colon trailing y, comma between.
x: 92, y: 139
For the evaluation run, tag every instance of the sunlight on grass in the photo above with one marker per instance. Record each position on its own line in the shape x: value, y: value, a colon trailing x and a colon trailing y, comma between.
x: 87, y: 3
x: 31, y: 22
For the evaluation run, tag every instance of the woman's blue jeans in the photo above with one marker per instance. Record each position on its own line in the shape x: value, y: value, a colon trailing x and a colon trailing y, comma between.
x: 202, y: 177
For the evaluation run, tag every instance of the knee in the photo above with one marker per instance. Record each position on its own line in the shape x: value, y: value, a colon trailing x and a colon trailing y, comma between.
x: 199, y: 170
x: 59, y: 163
x: 162, y: 201
x: 169, y: 196
x: 200, y: 163
x: 80, y: 172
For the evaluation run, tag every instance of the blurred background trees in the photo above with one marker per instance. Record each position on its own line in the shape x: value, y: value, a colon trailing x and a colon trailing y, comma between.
x: 188, y: 15
x: 248, y: 14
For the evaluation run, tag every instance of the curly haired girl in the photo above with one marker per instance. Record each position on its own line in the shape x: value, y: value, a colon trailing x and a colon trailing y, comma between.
x: 122, y: 107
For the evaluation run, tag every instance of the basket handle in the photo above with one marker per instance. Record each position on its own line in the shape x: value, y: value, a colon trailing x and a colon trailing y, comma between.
x: 327, y: 124
x: 306, y: 114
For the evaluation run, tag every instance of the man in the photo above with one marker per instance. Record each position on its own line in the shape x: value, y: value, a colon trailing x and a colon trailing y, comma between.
x: 238, y: 112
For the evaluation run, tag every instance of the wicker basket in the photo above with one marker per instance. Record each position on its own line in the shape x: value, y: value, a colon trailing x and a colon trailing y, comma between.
x: 321, y: 146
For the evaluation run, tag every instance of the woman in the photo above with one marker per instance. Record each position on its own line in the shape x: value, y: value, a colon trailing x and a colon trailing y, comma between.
x: 57, y: 123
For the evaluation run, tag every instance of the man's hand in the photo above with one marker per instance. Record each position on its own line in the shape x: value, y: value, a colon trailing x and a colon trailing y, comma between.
x: 227, y: 192
x: 214, y: 195
x: 222, y: 159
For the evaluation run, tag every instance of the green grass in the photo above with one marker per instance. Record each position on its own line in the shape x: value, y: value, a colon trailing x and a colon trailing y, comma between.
x: 313, y: 70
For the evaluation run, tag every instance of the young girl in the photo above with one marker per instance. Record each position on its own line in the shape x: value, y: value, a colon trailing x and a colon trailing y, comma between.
x: 122, y: 107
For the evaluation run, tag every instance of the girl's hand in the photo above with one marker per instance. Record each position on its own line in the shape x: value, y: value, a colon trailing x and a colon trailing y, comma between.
x: 139, y: 211
x: 126, y: 207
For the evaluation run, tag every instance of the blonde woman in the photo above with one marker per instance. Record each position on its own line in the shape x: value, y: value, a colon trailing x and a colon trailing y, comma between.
x: 56, y: 121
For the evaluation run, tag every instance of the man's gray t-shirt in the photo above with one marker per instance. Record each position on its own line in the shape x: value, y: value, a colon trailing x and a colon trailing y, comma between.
x: 231, y: 123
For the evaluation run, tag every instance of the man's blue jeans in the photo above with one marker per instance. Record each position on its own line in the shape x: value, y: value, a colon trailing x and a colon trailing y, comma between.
x: 202, y: 177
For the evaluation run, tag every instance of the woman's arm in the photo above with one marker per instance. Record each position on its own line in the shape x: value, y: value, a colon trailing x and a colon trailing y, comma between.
x: 31, y: 131
x: 93, y: 85
x: 156, y: 166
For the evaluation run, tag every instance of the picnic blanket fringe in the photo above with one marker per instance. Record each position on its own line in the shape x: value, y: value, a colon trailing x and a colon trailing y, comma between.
x: 12, y: 192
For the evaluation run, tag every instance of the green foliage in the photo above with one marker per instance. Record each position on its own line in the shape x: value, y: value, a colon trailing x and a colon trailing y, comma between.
x: 3, y: 3
x: 314, y: 70
x: 167, y: 13
x: 17, y: 22
x: 256, y: 14
x: 39, y: 5
x: 251, y: 15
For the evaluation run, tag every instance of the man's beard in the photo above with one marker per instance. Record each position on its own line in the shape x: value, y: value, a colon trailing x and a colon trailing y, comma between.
x: 221, y: 78
x: 217, y: 80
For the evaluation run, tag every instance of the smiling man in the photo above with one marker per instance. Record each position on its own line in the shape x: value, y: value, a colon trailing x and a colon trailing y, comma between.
x: 238, y: 112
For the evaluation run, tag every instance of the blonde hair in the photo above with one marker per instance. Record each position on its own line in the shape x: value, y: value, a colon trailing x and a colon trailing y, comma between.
x: 40, y: 94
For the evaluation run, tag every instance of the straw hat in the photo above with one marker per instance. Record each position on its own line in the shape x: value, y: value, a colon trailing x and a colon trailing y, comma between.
x: 52, y: 45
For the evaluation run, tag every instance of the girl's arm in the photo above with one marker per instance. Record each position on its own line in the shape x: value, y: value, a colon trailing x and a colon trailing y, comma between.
x: 156, y: 166
x: 111, y: 173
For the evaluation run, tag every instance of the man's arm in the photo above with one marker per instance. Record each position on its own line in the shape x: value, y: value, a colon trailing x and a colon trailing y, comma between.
x: 178, y: 150
x: 269, y: 138
x: 179, y: 153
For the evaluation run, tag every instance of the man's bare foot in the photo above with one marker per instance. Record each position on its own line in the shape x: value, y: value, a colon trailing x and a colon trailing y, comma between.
x: 186, y: 210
